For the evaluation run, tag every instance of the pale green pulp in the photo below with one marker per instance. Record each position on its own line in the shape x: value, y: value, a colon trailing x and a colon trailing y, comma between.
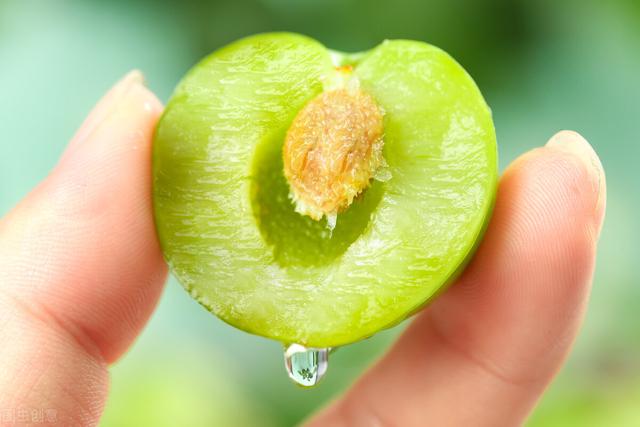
x: 228, y: 228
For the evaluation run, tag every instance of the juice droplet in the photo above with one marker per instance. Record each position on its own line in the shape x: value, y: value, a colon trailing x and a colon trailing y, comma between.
x: 306, y: 366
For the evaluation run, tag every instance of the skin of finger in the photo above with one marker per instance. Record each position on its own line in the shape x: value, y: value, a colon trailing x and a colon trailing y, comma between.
x: 106, y: 106
x: 82, y: 246
x: 46, y: 372
x: 484, y: 352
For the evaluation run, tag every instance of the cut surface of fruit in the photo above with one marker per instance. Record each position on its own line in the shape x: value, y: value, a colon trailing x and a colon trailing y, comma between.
x: 227, y: 221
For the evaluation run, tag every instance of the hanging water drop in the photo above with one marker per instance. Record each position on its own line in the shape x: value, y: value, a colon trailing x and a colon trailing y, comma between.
x: 306, y: 366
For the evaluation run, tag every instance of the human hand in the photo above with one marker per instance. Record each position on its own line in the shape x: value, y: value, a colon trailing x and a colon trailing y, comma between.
x: 81, y: 271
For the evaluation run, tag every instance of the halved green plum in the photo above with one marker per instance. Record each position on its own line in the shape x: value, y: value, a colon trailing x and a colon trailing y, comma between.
x: 248, y: 244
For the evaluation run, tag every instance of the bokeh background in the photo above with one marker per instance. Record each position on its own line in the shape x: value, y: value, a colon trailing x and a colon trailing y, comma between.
x: 543, y: 66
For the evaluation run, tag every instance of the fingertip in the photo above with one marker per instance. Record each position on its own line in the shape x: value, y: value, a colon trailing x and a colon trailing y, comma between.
x: 134, y: 76
x: 571, y: 141
x: 574, y: 144
x: 107, y: 104
x: 150, y: 102
x: 138, y: 107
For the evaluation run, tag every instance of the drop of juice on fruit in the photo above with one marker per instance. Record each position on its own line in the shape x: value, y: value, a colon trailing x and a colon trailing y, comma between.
x: 306, y: 366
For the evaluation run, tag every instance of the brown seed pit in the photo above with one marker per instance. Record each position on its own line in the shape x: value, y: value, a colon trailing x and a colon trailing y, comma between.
x: 332, y: 150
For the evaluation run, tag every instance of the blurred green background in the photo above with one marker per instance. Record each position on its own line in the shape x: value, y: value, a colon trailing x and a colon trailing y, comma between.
x: 543, y: 66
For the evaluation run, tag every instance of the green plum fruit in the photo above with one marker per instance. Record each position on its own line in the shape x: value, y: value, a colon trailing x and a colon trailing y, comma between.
x: 317, y: 197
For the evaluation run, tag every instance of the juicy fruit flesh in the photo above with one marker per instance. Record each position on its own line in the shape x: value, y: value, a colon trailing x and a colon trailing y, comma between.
x: 231, y: 235
x: 332, y: 150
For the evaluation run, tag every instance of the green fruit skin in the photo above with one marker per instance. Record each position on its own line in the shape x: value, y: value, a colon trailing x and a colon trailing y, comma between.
x: 227, y: 227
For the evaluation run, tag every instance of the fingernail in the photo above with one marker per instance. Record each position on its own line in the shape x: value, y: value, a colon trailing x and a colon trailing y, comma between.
x: 573, y: 143
x: 107, y: 105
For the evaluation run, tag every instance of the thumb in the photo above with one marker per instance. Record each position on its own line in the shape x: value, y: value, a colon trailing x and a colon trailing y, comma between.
x: 80, y: 265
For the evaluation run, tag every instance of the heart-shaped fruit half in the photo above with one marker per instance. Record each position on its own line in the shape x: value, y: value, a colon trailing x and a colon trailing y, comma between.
x: 316, y: 197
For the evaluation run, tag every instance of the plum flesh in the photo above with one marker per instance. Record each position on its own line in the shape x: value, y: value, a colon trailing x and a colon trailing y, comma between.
x: 228, y: 227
